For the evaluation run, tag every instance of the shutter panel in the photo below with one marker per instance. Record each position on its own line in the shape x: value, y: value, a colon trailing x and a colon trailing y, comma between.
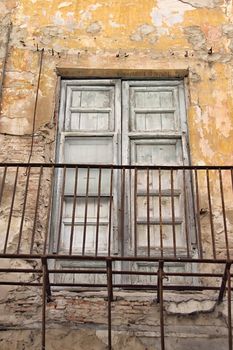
x: 146, y: 126
x: 154, y: 125
x: 89, y: 135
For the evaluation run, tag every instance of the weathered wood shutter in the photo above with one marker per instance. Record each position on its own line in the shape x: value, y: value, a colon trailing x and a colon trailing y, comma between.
x: 124, y: 122
x: 155, y: 133
x: 88, y: 135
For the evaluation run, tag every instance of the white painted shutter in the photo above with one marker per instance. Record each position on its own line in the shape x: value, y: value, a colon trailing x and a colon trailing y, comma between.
x: 89, y: 134
x: 146, y: 126
x: 154, y: 134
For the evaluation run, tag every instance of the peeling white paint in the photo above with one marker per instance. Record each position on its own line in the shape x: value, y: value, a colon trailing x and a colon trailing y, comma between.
x: 169, y: 12
x: 114, y: 24
x: 86, y: 15
x: 65, y: 4
x: 57, y: 19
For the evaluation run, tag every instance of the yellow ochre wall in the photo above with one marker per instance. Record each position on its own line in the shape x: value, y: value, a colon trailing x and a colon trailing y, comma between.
x: 160, y: 35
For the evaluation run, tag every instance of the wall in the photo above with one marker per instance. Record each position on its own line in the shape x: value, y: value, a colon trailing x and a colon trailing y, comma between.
x: 193, y: 35
x: 167, y: 36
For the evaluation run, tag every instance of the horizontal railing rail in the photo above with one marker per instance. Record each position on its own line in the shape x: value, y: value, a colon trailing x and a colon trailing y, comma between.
x: 174, y: 212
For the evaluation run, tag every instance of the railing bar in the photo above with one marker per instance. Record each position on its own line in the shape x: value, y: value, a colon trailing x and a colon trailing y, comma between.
x: 61, y: 209
x: 160, y: 214
x: 110, y: 213
x: 148, y: 210
x: 98, y: 213
x: 11, y: 210
x: 47, y: 280
x: 114, y: 272
x: 85, y: 214
x: 23, y: 209
x: 210, y: 213
x: 114, y: 258
x: 224, y: 213
x: 229, y: 308
x: 127, y: 286
x: 43, y: 308
x: 122, y: 209
x: 3, y: 184
x: 173, y: 213
x: 160, y: 300
x: 198, y: 214
x: 135, y: 211
x: 232, y: 178
x: 73, y: 211
x: 125, y: 272
x: 110, y: 298
x: 36, y: 210
x: 223, y: 283
x: 50, y: 205
x: 107, y: 166
x: 186, y: 214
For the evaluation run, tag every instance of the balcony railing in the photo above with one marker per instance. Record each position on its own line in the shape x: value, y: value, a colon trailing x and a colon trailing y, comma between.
x: 153, y: 212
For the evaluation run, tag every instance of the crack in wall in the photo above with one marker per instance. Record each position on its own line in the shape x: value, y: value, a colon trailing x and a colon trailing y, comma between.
x: 187, y: 3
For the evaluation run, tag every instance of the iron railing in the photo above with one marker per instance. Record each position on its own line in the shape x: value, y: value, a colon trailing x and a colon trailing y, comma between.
x: 156, y: 215
x: 100, y: 210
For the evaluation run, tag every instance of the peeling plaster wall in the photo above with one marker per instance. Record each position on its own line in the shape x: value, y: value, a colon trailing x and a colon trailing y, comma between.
x: 193, y: 35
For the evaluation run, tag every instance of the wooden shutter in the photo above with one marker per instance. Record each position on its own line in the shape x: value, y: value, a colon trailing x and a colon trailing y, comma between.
x: 155, y: 129
x: 88, y: 133
x: 145, y: 125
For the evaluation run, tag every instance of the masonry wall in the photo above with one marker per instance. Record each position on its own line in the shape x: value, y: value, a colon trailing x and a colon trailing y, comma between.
x: 86, y: 37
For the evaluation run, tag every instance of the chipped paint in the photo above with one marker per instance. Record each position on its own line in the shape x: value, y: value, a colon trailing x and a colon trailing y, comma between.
x: 171, y: 34
x: 169, y: 12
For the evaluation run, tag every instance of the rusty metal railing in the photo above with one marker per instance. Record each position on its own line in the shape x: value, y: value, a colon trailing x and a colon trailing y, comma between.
x: 120, y: 217
x: 126, y: 211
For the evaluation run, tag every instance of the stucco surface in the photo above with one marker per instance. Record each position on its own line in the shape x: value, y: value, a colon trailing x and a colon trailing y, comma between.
x: 195, y: 36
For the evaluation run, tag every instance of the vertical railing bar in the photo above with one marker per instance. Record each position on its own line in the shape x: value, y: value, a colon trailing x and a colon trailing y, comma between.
x: 229, y: 307
x: 210, y: 213
x: 110, y: 213
x: 160, y: 214
x: 148, y: 210
x: 3, y: 184
x: 232, y: 178
x: 85, y: 214
x: 61, y: 208
x: 135, y: 212
x: 98, y: 214
x: 173, y: 213
x: 160, y: 301
x: 224, y: 213
x: 11, y: 210
x: 110, y: 299
x: 36, y: 210
x: 186, y: 214
x: 198, y: 214
x: 50, y: 205
x: 73, y: 211
x: 47, y: 280
x: 43, y: 307
x: 223, y: 283
x: 122, y: 210
x: 23, y: 209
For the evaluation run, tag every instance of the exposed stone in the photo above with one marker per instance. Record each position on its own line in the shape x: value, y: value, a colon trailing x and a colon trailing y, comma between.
x: 228, y: 30
x: 144, y: 31
x: 195, y: 37
x: 94, y: 28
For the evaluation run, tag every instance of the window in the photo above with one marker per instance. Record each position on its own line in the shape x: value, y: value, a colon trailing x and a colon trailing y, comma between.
x: 121, y: 122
